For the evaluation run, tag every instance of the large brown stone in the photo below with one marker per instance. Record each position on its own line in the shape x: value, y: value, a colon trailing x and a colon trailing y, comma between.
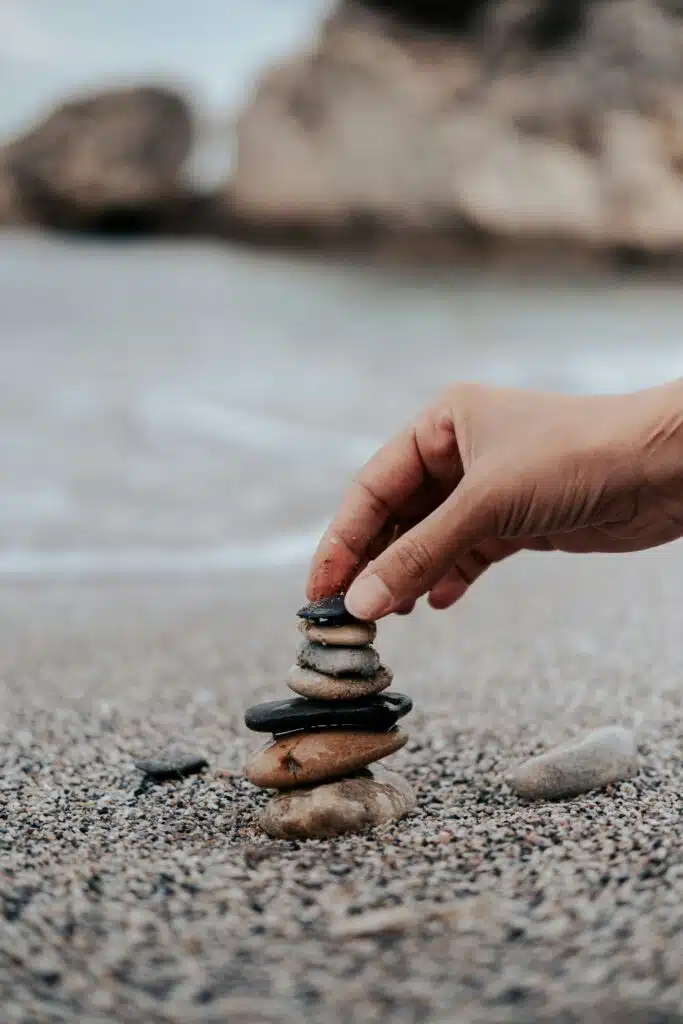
x: 541, y: 121
x: 109, y: 160
x: 373, y: 797
x: 304, y: 758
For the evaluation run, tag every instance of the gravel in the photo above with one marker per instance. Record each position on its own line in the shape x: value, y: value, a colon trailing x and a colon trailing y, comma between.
x: 167, y: 904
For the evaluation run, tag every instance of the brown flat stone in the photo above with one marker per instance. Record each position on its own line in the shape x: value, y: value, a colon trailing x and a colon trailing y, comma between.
x: 353, y: 804
x: 317, y: 686
x: 352, y: 635
x: 307, y: 757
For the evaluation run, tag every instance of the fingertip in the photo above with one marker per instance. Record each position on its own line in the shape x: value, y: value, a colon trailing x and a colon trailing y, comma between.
x: 405, y: 609
x: 332, y: 569
x: 317, y: 583
x: 369, y: 597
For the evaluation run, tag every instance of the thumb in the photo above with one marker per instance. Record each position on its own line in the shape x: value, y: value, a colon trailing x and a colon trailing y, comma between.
x: 416, y: 561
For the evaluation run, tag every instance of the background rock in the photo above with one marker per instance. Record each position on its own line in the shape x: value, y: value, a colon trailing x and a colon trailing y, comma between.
x: 110, y: 162
x: 534, y: 120
x: 10, y: 202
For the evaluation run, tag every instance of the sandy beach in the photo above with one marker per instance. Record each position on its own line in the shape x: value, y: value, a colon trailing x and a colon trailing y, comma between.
x: 175, y: 426
x: 170, y: 905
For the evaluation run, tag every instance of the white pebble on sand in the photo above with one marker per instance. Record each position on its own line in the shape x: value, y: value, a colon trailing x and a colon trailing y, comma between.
x: 604, y: 756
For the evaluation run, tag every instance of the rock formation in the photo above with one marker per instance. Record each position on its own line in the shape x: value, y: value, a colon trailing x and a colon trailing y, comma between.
x: 110, y: 162
x: 11, y: 212
x: 324, y: 742
x: 557, y: 122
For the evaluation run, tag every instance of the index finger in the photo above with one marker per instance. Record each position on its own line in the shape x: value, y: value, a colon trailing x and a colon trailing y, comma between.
x: 379, y: 492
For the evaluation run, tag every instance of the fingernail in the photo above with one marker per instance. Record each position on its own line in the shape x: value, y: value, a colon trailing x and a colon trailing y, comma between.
x: 369, y: 598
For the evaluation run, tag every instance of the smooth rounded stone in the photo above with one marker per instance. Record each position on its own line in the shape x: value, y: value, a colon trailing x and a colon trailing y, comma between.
x: 373, y: 713
x: 352, y: 635
x: 306, y: 757
x: 330, y: 611
x: 317, y: 686
x: 338, y: 661
x: 600, y: 758
x: 172, y: 767
x: 353, y: 804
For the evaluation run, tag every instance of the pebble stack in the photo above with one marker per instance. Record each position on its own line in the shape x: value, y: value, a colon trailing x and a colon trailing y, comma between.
x: 342, y: 720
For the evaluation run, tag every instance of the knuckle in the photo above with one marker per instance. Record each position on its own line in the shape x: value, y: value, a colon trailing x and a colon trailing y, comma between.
x: 376, y: 503
x: 413, y: 557
x: 467, y: 400
x: 465, y: 393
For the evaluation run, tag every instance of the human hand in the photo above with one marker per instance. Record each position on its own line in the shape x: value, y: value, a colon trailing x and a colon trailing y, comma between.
x: 486, y: 472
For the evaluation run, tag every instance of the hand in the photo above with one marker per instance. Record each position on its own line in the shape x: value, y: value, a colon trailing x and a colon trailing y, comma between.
x: 486, y: 472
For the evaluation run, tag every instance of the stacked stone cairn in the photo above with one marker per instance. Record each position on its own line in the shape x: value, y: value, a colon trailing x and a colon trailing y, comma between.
x: 324, y: 740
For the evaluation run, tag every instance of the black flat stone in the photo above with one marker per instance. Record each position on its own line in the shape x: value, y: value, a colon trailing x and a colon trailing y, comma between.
x: 329, y: 612
x: 161, y: 769
x: 378, y: 713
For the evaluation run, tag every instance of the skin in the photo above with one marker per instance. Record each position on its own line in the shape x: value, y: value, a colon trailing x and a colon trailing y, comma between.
x: 486, y: 472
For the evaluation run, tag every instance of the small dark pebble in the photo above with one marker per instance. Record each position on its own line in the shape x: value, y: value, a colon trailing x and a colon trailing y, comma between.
x: 255, y: 855
x: 162, y: 768
x: 50, y: 978
x: 331, y: 610
x: 373, y: 713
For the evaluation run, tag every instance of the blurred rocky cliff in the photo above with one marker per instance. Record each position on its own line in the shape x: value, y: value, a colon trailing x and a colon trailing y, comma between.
x: 555, y: 120
x: 476, y: 126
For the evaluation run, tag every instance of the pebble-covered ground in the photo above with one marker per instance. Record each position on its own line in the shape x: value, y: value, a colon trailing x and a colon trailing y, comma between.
x: 192, y: 414
x: 164, y: 903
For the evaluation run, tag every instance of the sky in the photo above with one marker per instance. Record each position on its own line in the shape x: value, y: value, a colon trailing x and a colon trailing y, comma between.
x: 211, y: 48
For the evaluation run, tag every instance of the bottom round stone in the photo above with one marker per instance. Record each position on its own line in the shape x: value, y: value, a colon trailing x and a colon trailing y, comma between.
x: 302, y: 758
x: 353, y: 804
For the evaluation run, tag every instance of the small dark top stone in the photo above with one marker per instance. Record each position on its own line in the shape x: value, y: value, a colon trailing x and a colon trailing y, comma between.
x: 161, y: 768
x: 378, y: 713
x: 331, y: 611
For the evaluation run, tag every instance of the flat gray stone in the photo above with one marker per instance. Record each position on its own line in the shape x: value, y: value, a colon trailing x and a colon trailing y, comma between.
x: 172, y: 766
x: 353, y: 804
x: 338, y: 661
x: 602, y: 757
